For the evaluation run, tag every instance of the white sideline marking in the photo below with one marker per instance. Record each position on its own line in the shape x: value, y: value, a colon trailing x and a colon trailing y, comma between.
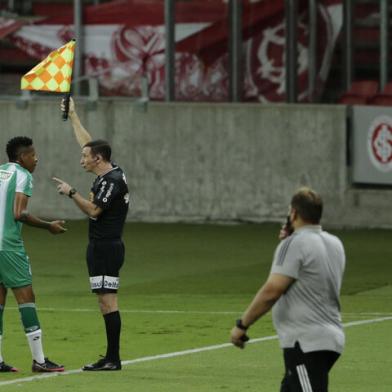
x: 179, y: 353
x: 362, y: 322
x: 367, y: 314
x: 160, y: 311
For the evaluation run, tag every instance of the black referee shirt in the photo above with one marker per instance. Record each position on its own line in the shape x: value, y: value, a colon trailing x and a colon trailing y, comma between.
x: 109, y: 192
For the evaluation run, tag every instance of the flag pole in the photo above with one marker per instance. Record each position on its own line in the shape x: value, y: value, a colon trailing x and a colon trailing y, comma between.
x: 67, y: 97
x: 66, y: 100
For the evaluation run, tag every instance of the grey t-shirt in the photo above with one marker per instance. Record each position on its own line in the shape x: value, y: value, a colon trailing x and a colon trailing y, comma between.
x: 309, y: 312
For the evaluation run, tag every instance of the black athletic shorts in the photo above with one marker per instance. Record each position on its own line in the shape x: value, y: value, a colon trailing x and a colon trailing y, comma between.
x: 104, y: 261
x: 307, y: 372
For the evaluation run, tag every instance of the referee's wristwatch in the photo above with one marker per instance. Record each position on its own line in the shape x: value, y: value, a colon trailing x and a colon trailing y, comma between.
x: 239, y: 325
x: 71, y: 192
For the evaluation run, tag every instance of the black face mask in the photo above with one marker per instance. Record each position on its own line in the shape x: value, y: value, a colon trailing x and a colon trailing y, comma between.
x: 288, y: 226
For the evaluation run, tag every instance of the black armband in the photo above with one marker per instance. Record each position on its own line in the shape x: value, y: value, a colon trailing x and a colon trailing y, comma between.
x: 239, y: 325
x: 71, y: 192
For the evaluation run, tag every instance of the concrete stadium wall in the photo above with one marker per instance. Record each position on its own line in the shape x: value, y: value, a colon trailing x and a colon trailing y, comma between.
x: 201, y: 162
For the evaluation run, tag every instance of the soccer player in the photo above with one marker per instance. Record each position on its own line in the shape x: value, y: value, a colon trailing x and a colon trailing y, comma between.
x: 16, y: 184
x: 303, y: 291
x: 107, y: 209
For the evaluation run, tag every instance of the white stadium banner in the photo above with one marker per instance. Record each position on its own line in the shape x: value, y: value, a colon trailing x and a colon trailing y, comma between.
x: 372, y: 145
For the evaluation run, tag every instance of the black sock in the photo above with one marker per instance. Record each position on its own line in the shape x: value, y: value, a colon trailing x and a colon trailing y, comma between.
x: 113, y: 329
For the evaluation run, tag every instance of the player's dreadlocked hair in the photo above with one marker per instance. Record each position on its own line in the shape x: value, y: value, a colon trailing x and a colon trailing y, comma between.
x: 16, y: 145
x: 308, y: 205
x: 100, y: 147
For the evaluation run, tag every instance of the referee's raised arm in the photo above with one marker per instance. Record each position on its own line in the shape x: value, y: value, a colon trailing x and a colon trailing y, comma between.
x: 81, y: 133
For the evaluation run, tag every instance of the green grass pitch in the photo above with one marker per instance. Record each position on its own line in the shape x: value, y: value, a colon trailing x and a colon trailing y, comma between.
x: 182, y: 287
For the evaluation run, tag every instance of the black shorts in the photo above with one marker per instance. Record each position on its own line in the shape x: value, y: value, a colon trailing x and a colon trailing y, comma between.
x: 104, y: 261
x: 307, y: 372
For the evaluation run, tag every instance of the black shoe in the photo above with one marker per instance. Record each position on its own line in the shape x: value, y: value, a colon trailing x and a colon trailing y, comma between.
x: 7, y: 368
x: 103, y: 364
x: 46, y: 367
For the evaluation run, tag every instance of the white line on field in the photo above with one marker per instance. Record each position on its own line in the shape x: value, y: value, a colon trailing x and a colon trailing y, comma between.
x: 161, y: 311
x: 367, y: 314
x: 362, y: 322
x: 152, y: 311
x: 178, y: 353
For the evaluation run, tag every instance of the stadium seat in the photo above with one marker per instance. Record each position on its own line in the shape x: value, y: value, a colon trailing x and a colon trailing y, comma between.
x: 360, y: 93
x: 384, y: 98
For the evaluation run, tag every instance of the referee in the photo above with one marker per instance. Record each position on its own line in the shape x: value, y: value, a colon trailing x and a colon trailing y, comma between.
x: 107, y: 209
x: 303, y: 291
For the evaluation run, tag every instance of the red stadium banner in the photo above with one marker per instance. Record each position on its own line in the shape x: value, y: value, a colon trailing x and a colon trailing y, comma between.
x: 8, y: 26
x: 124, y: 41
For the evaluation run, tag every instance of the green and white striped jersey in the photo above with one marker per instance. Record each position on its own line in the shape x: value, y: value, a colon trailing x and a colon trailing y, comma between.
x: 13, y: 178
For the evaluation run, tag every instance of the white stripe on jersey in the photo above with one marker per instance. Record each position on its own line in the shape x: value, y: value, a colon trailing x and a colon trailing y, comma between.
x: 3, y: 201
x: 304, y: 378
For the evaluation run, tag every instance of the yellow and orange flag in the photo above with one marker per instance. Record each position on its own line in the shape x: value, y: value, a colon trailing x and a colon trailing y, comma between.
x: 53, y: 73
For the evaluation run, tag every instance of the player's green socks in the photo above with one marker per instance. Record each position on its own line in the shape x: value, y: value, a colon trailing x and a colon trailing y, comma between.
x: 29, y: 317
x: 1, y: 330
x: 1, y: 319
x: 32, y: 328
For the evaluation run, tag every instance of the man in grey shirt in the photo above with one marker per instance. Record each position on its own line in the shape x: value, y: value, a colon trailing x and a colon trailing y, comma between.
x: 303, y: 291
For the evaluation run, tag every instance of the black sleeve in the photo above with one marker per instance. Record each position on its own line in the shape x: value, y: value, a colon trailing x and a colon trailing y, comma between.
x: 107, y: 192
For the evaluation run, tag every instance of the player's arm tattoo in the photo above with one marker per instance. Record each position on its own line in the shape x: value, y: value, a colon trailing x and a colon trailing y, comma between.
x: 30, y: 220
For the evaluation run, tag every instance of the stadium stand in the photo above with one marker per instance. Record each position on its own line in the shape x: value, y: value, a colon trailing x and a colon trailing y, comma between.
x: 384, y: 98
x: 360, y: 93
x: 366, y: 48
x: 366, y: 20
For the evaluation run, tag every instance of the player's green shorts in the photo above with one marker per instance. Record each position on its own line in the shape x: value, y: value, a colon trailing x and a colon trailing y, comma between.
x: 15, y: 270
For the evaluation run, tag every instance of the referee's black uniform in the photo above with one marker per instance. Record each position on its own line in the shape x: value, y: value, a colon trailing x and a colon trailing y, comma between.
x: 105, y: 252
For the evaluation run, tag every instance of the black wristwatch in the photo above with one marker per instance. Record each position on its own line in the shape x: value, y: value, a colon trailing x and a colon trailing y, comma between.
x: 71, y: 192
x: 239, y: 325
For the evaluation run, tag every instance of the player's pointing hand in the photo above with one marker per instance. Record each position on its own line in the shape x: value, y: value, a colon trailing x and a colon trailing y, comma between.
x: 62, y: 187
